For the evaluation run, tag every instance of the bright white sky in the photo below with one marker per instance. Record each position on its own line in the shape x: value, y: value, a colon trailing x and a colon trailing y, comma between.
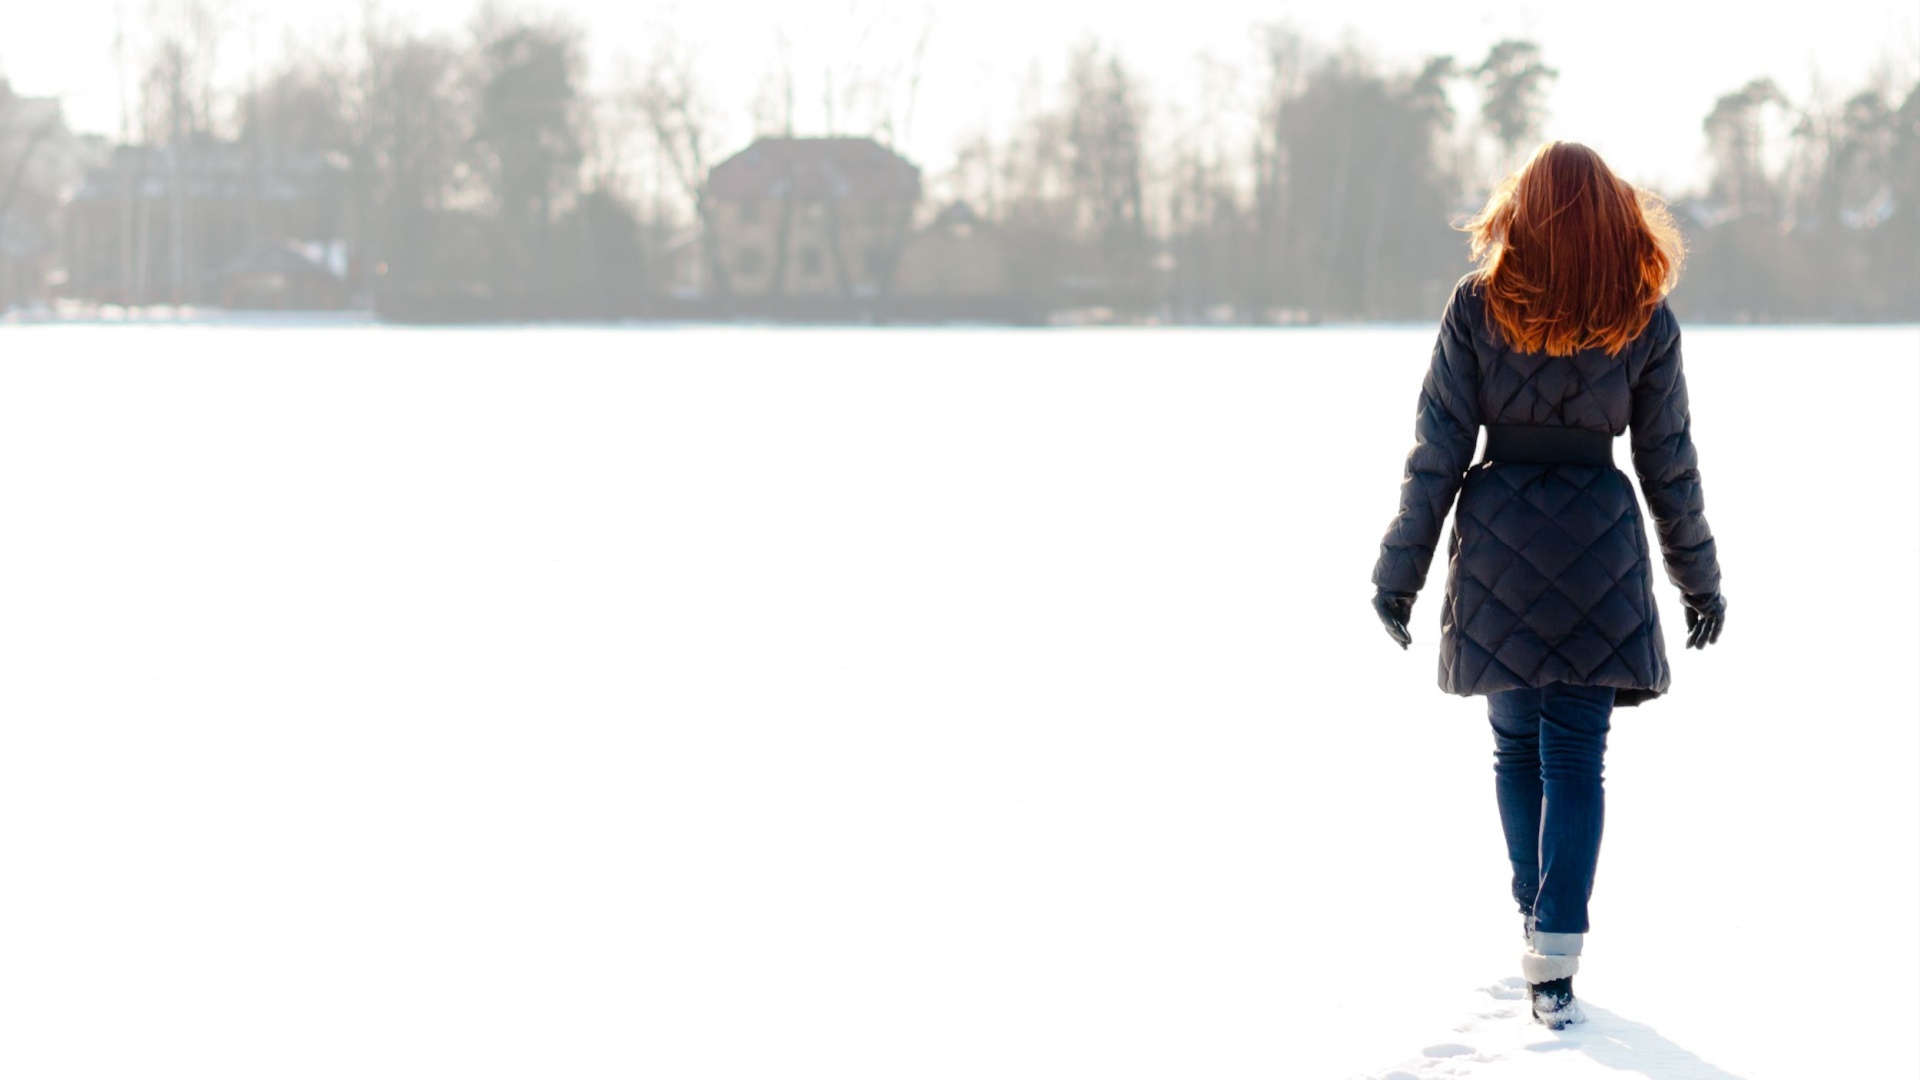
x: 1634, y: 83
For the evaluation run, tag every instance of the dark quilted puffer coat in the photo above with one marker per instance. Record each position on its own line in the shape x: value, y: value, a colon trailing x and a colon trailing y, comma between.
x: 1549, y: 576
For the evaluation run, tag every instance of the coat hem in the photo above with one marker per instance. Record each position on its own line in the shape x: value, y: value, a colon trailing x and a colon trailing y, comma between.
x: 1624, y: 697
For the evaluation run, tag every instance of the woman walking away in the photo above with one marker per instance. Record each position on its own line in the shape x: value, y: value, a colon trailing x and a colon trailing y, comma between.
x: 1557, y: 343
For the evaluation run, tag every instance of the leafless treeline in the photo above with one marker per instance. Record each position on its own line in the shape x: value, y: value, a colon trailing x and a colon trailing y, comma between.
x: 1314, y: 183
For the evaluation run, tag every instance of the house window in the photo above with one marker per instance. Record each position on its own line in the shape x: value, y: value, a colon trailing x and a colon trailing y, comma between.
x: 810, y: 263
x: 748, y: 260
x: 750, y: 212
x: 876, y: 262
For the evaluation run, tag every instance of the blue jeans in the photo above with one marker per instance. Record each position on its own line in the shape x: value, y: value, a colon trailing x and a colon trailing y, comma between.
x: 1549, y: 744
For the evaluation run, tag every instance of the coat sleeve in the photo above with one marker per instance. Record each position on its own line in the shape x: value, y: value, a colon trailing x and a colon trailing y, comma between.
x: 1669, y: 470
x: 1446, y: 429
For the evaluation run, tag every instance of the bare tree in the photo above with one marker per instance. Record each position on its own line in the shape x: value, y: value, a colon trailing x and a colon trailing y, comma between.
x: 1408, y: 137
x: 975, y: 175
x: 177, y: 109
x: 893, y: 113
x: 857, y: 78
x: 686, y: 135
x: 291, y: 118
x: 773, y: 112
x: 773, y: 104
x: 868, y: 87
x: 1105, y: 121
x: 1190, y: 189
x: 1284, y: 53
x: 892, y: 132
x: 1039, y: 205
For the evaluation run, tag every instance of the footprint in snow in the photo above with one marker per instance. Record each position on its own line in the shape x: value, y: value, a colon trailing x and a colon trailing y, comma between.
x: 1449, y: 1058
x: 1511, y: 988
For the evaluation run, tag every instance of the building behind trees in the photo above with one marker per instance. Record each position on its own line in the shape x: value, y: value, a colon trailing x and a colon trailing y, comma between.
x: 439, y: 176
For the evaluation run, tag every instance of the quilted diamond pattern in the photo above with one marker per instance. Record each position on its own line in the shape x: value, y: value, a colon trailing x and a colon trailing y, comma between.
x: 1545, y: 581
x: 1549, y: 572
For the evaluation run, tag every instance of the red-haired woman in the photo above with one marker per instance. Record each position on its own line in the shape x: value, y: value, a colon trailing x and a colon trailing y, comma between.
x: 1558, y: 342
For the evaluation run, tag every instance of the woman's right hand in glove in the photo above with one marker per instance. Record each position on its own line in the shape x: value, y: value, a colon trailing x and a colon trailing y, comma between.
x: 1394, y: 609
x: 1706, y: 614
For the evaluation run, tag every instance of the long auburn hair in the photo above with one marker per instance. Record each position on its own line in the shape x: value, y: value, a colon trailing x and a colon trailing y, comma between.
x: 1573, y: 257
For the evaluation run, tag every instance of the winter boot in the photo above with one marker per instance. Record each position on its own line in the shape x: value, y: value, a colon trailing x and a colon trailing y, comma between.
x: 1554, y: 1004
x: 1549, y: 964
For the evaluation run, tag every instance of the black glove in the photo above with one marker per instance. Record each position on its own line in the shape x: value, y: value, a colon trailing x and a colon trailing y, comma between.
x: 1706, y: 614
x: 1394, y: 609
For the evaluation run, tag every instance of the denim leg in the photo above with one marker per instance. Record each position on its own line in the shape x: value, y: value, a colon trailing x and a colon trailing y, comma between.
x: 1515, y: 716
x: 1574, y: 721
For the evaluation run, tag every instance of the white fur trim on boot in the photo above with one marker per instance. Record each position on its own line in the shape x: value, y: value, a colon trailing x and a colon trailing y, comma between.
x: 1539, y: 969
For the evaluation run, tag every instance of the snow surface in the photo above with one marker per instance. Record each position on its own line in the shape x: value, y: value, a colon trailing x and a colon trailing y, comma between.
x: 754, y: 702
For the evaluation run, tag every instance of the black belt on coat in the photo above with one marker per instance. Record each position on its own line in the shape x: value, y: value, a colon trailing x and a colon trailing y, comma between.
x: 1546, y: 444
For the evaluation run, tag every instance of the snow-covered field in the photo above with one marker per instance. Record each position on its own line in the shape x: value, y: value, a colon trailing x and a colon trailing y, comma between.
x: 896, y: 705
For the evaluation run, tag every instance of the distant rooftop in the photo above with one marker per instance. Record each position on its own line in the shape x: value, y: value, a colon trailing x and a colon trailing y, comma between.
x: 213, y: 169
x: 957, y: 212
x: 817, y: 168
